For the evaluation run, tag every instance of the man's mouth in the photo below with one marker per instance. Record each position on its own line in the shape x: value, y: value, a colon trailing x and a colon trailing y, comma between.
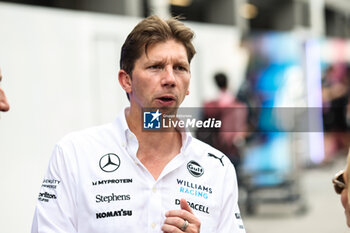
x: 166, y: 98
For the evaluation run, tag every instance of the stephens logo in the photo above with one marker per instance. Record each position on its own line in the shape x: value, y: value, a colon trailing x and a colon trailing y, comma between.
x: 195, y: 168
x: 109, y: 162
x: 151, y: 120
x: 111, y: 198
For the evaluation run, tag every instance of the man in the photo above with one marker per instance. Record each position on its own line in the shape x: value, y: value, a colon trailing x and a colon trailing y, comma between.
x: 120, y: 178
x: 341, y: 186
x: 4, y: 105
x: 233, y: 114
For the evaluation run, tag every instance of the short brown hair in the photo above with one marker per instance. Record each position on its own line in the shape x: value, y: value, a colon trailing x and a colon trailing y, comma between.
x: 153, y: 30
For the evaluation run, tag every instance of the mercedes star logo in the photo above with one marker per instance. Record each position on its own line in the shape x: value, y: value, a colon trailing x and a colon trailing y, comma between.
x: 109, y: 162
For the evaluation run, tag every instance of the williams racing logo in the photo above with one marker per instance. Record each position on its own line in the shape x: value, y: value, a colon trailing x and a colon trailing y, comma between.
x: 194, y: 189
x: 195, y: 168
x: 109, y: 162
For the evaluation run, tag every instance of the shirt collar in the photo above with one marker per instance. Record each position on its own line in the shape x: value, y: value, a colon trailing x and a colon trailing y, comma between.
x: 186, y: 140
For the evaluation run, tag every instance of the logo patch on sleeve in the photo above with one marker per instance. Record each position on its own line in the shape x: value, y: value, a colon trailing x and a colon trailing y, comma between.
x: 215, y: 157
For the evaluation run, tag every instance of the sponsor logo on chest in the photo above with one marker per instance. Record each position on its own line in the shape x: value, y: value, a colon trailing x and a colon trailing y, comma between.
x: 195, y: 168
x: 193, y: 189
x: 109, y: 162
x: 195, y: 206
x: 114, y: 213
x: 112, y: 198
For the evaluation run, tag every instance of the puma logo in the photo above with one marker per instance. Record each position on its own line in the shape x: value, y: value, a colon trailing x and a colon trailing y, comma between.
x: 214, y: 156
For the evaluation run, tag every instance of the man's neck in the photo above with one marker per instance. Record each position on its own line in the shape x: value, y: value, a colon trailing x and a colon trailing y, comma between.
x: 156, y: 149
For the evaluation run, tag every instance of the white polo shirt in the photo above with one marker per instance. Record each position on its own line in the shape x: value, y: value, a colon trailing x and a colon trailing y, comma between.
x: 95, y: 183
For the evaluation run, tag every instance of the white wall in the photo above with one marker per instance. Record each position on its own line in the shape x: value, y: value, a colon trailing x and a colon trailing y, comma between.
x: 60, y: 74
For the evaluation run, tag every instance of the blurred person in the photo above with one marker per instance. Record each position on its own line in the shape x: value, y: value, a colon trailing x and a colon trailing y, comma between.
x: 341, y: 186
x: 121, y: 178
x: 335, y: 96
x: 231, y: 136
x: 4, y: 105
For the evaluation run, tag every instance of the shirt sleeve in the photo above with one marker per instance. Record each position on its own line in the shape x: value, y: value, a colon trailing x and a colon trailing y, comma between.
x: 230, y: 219
x: 56, y: 206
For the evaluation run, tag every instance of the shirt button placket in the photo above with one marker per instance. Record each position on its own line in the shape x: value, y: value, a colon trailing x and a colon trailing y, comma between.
x: 155, y: 209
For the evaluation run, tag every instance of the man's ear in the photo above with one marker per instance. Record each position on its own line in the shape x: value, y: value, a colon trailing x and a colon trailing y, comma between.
x: 188, y: 87
x: 125, y: 80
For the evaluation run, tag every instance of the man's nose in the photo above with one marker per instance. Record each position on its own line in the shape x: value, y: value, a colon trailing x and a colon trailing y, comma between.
x: 4, y: 105
x: 168, y: 77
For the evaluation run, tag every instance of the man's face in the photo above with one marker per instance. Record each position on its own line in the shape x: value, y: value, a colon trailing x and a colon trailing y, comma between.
x: 161, y: 77
x: 4, y: 105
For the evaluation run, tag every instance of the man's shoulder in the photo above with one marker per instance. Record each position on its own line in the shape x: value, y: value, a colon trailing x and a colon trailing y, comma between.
x: 205, y: 146
x: 88, y: 134
x: 210, y: 154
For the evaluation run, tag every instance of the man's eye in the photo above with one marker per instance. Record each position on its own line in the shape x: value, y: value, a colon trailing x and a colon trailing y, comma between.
x: 155, y: 67
x: 181, y: 68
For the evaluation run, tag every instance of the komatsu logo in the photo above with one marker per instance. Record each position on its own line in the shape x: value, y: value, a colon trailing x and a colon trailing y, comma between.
x: 115, y: 213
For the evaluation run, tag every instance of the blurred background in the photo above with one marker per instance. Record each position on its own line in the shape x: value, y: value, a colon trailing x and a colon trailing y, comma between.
x: 281, y: 59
